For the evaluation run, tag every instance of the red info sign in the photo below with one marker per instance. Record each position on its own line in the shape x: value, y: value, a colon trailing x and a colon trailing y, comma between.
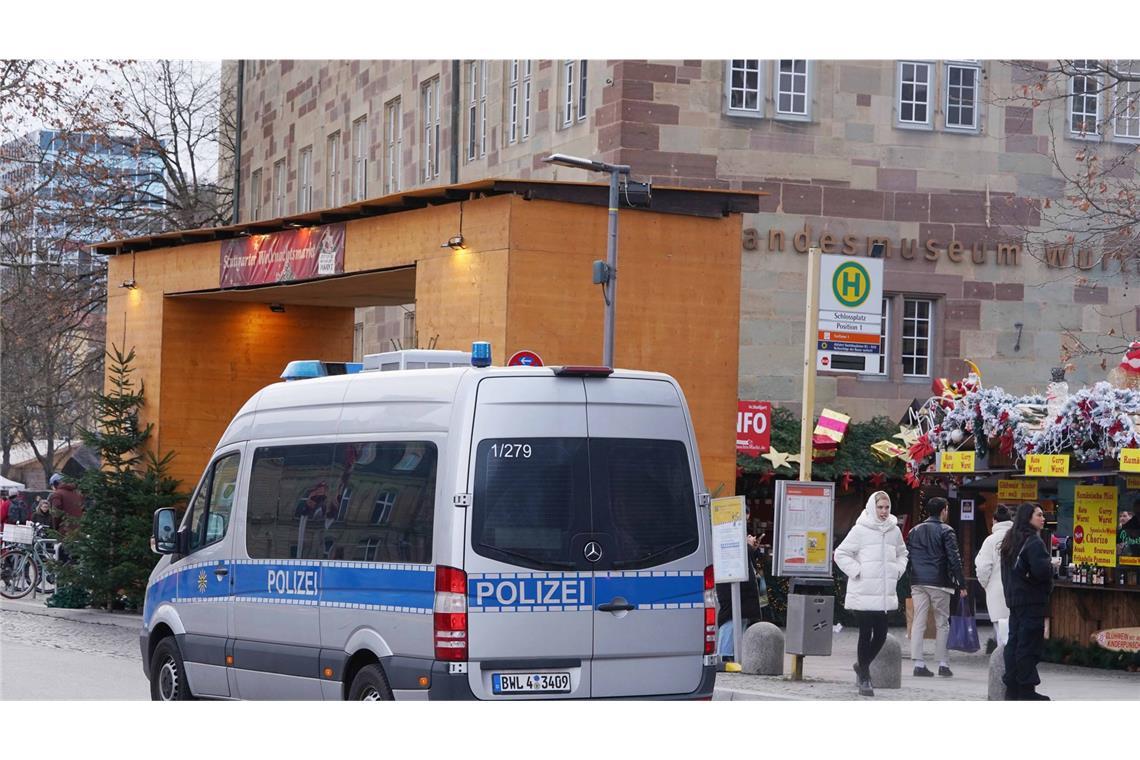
x: 753, y: 427
x: 288, y: 256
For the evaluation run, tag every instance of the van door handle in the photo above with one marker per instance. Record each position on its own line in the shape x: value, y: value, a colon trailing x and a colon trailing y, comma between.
x: 220, y: 571
x: 617, y: 607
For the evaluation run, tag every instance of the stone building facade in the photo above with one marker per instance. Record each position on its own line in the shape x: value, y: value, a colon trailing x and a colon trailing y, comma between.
x: 945, y: 162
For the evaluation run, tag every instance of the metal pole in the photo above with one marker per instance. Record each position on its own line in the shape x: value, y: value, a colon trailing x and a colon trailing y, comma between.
x: 737, y: 624
x: 610, y: 288
x: 811, y: 338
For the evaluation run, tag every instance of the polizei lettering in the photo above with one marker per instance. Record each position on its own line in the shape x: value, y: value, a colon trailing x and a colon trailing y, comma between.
x: 292, y: 582
x: 530, y: 591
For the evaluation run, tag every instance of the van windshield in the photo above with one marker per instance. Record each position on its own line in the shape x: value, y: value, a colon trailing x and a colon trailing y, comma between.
x: 536, y: 498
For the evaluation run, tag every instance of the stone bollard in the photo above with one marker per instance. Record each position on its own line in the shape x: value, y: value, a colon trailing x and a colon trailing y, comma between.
x: 762, y: 650
x: 996, y: 691
x: 886, y: 668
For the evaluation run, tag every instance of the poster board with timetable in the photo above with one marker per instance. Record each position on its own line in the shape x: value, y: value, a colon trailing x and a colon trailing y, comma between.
x: 804, y: 529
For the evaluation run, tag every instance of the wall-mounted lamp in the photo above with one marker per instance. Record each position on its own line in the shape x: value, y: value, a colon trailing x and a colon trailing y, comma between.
x: 277, y: 308
x: 455, y: 243
x: 294, y: 225
x: 129, y: 284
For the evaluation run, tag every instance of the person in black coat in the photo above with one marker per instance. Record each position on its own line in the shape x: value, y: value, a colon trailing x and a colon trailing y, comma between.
x: 751, y: 608
x: 1027, y: 577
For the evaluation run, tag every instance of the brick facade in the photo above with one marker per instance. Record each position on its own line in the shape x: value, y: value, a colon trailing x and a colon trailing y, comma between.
x: 949, y: 205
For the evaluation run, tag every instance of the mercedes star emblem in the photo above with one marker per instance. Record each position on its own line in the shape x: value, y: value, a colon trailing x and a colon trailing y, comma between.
x: 593, y: 551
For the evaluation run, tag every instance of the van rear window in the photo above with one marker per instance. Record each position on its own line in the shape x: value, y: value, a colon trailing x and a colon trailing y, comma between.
x: 643, y: 497
x: 533, y: 497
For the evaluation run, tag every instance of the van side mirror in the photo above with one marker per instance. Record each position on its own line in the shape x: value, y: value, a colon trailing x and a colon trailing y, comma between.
x: 165, y: 532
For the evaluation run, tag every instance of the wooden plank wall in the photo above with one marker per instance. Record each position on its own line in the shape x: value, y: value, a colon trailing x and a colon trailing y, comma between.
x: 1077, y: 613
x: 216, y: 354
x: 678, y: 306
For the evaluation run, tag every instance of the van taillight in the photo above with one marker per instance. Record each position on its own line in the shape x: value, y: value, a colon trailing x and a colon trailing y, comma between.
x: 710, y: 611
x: 450, y: 614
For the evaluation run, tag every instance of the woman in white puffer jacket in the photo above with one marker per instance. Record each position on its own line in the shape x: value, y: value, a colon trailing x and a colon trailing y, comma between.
x: 988, y: 566
x: 873, y: 556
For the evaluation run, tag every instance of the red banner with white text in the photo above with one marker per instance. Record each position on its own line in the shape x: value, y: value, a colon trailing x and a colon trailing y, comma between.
x: 287, y: 256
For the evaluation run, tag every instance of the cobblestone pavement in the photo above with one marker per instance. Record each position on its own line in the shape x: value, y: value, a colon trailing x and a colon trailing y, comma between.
x: 63, y: 633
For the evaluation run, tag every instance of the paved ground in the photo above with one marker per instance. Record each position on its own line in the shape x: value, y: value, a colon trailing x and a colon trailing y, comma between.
x: 115, y: 635
x: 68, y: 654
x: 831, y: 678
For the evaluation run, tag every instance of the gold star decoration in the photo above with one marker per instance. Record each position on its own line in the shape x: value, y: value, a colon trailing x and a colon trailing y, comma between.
x: 908, y: 435
x: 779, y: 458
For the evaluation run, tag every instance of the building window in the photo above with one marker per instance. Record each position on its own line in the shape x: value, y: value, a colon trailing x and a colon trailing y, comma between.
x: 573, y: 92
x: 476, y: 110
x: 518, y: 100
x: 332, y: 170
x: 279, y: 188
x: 305, y: 180
x: 513, y: 102
x: 916, y: 337
x: 962, y: 96
x: 382, y: 507
x: 885, y: 339
x: 526, y: 100
x: 431, y: 128
x: 1084, y: 96
x: 582, y: 90
x: 568, y: 99
x: 914, y: 94
x: 1126, y: 101
x: 359, y: 158
x: 745, y: 88
x: 793, y: 88
x: 395, y: 142
x: 255, y: 196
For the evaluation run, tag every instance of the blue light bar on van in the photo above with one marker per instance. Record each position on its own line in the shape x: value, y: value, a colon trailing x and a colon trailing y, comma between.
x: 304, y: 369
x: 577, y: 370
x: 480, y: 354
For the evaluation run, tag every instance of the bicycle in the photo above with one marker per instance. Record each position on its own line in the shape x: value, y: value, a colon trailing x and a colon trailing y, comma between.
x: 27, y: 561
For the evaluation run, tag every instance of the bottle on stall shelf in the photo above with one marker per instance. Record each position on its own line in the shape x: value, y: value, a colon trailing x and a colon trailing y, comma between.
x: 1072, y: 573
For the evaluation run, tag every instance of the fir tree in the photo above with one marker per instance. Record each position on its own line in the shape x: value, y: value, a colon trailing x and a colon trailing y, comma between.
x: 112, y: 546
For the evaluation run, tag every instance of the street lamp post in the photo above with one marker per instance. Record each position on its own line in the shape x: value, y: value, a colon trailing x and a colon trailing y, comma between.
x: 605, y: 275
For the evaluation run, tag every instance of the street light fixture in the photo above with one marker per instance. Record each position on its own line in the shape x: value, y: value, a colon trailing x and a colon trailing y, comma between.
x: 605, y: 272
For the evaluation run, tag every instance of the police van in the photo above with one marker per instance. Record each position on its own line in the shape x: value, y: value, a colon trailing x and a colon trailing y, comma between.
x: 478, y: 532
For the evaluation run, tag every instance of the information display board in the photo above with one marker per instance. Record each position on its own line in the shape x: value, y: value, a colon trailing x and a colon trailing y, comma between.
x: 804, y: 529
x: 729, y: 540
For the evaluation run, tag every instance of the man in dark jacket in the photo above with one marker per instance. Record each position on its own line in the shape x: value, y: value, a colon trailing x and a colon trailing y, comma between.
x: 935, y: 570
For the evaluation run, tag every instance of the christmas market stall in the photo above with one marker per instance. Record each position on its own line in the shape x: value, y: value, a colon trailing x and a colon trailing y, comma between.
x: 843, y: 454
x: 1077, y: 455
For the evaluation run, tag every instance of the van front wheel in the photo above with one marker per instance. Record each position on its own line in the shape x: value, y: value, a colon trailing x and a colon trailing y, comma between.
x: 168, y: 673
x: 370, y: 685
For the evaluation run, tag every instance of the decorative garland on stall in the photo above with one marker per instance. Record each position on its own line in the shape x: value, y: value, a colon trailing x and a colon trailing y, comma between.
x: 1093, y: 424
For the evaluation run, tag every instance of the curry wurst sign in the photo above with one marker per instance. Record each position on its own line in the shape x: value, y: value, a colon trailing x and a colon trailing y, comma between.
x: 287, y: 256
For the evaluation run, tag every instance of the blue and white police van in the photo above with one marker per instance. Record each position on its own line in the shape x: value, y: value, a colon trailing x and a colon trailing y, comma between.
x: 480, y: 532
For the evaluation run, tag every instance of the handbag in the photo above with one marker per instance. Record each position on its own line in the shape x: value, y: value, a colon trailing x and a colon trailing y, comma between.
x: 963, y: 629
